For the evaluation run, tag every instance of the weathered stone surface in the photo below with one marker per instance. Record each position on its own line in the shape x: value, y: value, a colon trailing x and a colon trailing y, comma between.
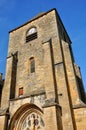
x: 46, y: 98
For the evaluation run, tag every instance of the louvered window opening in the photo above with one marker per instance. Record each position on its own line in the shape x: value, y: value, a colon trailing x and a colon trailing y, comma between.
x: 31, y: 37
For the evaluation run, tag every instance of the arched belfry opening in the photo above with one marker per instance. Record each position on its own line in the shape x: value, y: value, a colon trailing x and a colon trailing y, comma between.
x: 27, y: 117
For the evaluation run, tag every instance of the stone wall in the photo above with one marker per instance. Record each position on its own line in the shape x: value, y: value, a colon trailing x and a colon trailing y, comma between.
x: 80, y: 117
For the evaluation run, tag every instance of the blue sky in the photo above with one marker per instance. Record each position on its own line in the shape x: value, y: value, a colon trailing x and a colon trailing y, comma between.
x: 14, y: 13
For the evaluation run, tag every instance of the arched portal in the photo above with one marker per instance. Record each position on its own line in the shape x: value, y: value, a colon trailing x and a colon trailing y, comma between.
x: 27, y: 117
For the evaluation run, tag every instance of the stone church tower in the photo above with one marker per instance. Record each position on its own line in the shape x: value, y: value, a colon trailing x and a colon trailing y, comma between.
x: 43, y: 88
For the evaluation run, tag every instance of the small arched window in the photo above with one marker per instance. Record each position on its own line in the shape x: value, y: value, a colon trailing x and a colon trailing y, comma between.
x: 32, y: 65
x: 31, y: 34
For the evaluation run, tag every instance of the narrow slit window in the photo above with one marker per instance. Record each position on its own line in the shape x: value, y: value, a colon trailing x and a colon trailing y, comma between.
x: 32, y: 65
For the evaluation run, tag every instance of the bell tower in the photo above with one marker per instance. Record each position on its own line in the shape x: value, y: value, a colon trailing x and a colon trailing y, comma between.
x: 40, y: 87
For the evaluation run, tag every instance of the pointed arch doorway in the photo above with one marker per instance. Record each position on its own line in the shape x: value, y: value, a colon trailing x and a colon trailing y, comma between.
x: 27, y: 117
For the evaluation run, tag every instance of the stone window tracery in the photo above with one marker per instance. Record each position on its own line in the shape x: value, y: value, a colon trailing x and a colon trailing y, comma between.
x: 33, y: 122
x: 27, y: 117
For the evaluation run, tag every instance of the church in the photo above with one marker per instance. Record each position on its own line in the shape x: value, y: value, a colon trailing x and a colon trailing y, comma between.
x: 43, y: 87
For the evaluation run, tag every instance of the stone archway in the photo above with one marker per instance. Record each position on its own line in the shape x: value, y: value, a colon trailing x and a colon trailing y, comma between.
x: 27, y: 117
